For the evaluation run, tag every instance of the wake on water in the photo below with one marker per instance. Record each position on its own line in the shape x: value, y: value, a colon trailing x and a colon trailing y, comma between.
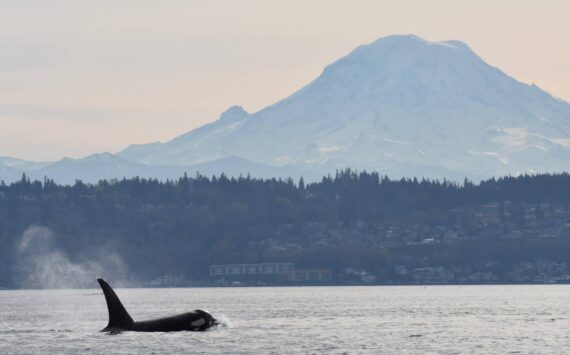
x: 223, y: 321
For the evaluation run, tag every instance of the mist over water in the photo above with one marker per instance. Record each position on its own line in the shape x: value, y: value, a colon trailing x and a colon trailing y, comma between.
x: 45, y: 265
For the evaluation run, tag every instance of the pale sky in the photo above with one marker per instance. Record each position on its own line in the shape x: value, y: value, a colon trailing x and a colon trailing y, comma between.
x: 79, y: 77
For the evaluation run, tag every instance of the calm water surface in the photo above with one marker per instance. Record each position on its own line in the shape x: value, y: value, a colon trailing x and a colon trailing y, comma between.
x: 317, y: 320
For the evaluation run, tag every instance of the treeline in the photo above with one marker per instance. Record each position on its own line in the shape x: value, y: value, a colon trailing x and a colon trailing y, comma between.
x: 182, y: 226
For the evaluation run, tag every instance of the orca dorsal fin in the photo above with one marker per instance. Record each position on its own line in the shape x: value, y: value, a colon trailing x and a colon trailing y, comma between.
x: 118, y: 315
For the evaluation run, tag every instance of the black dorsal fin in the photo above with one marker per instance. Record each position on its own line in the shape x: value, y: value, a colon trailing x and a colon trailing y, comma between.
x: 118, y: 315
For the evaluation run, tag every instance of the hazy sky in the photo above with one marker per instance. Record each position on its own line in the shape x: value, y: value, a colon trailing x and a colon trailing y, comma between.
x: 79, y: 77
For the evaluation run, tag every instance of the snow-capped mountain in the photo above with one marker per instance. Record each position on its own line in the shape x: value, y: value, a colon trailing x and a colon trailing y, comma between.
x: 400, y: 105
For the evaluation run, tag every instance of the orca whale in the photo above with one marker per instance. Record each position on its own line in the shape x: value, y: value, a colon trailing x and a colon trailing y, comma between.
x: 120, y: 320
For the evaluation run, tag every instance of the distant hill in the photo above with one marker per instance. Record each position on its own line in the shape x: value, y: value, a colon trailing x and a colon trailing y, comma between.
x: 508, y: 230
x: 107, y: 166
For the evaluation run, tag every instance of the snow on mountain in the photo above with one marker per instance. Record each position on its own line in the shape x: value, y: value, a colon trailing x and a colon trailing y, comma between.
x: 400, y: 105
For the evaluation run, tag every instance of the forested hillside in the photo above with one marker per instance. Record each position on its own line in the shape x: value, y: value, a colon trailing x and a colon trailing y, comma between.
x: 351, y: 220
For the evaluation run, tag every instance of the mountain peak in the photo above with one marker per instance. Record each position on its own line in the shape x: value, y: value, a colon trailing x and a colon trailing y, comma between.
x: 413, y: 41
x: 416, y: 40
x: 394, y: 53
x: 407, y: 70
x: 398, y: 38
x: 401, y: 105
x: 233, y: 114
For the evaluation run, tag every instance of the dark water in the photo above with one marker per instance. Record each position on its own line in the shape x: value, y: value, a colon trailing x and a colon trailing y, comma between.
x: 319, y: 320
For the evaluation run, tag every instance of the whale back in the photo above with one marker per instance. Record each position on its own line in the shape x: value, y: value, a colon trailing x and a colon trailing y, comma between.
x: 119, y: 318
